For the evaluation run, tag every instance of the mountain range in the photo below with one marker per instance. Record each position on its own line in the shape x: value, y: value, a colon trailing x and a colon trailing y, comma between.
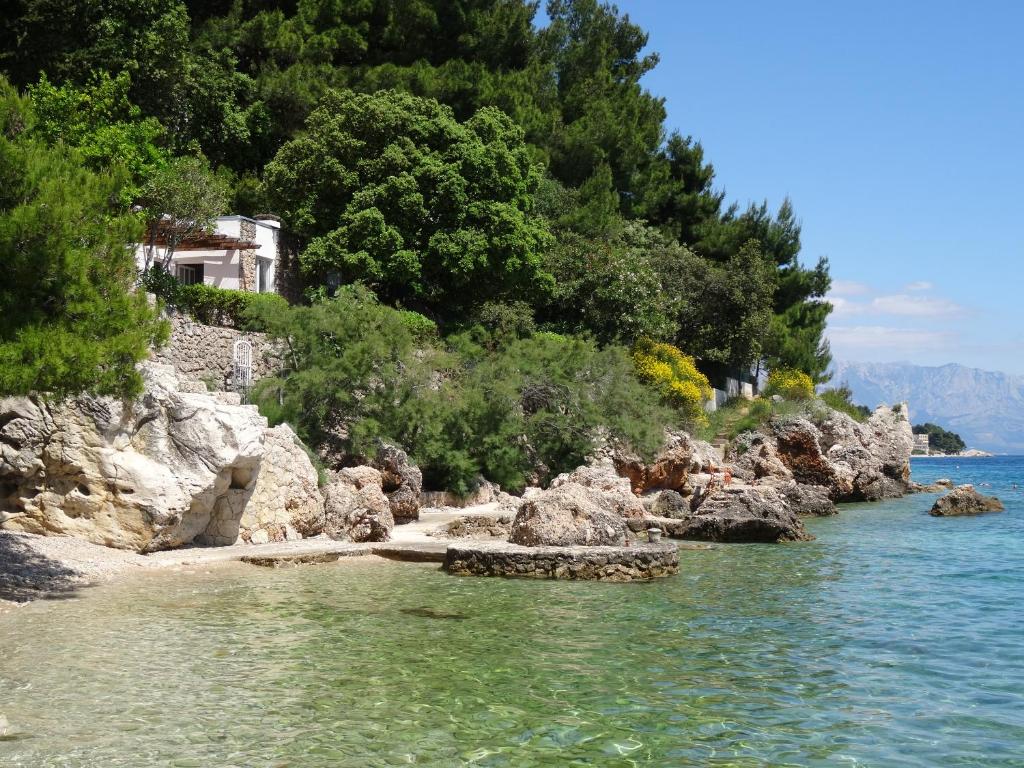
x: 986, y: 408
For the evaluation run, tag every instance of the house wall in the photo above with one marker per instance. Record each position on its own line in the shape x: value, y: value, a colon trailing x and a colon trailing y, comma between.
x: 232, y: 269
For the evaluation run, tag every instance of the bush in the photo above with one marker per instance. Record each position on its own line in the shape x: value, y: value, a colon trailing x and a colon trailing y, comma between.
x: 211, y: 305
x: 790, y: 384
x: 422, y: 328
x: 675, y: 377
x: 841, y: 399
x: 529, y: 410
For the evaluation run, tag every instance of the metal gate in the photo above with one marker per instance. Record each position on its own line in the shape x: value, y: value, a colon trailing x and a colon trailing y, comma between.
x: 243, y: 365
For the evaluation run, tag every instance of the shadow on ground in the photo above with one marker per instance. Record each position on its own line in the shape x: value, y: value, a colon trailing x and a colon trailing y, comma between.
x: 27, y: 575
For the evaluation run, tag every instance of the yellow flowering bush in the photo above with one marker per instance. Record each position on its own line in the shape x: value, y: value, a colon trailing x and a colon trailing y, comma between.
x: 675, y: 376
x: 791, y: 384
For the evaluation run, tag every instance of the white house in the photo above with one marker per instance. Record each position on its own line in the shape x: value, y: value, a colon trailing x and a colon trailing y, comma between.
x: 241, y: 253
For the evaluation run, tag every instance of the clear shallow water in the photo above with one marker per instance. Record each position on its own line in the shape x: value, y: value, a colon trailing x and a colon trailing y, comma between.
x: 895, y: 639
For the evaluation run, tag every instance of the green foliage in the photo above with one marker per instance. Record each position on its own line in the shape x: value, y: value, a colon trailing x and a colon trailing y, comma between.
x: 725, y: 309
x: 183, y: 198
x: 527, y: 410
x: 393, y: 191
x: 609, y: 288
x: 69, y: 319
x: 68, y: 40
x: 675, y: 377
x: 211, y: 305
x: 103, y: 124
x: 790, y: 384
x: 940, y: 439
x: 841, y: 399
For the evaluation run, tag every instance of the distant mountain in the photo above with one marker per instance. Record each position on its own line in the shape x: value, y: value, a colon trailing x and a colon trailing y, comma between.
x: 985, y: 408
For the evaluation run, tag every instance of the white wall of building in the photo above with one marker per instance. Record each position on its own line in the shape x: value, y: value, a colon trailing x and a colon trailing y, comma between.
x: 221, y: 267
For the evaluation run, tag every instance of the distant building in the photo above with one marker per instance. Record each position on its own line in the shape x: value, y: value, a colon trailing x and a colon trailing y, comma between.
x: 241, y: 253
x: 921, y: 444
x: 728, y: 383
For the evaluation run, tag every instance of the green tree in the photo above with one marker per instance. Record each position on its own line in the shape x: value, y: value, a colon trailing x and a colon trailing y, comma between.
x: 391, y: 190
x: 180, y: 200
x: 70, y: 321
x: 102, y: 123
x: 70, y: 39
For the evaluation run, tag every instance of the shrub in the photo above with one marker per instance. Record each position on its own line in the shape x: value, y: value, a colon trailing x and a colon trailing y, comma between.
x: 790, y: 384
x: 211, y: 305
x: 422, y: 328
x: 675, y: 377
x: 841, y: 399
x: 529, y: 410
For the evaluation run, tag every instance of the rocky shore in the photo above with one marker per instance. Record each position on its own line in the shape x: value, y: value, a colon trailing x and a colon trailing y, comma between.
x: 181, y: 468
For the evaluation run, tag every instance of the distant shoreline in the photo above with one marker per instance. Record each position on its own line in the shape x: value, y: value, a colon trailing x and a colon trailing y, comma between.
x: 957, y: 455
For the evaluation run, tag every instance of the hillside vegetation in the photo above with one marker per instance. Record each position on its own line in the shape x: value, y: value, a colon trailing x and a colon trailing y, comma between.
x: 510, y: 189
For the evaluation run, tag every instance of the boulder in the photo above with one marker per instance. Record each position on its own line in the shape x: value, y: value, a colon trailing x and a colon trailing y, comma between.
x: 755, y: 457
x: 401, y: 481
x: 666, y: 504
x: 742, y: 514
x: 286, y: 503
x: 964, y: 500
x: 165, y: 469
x: 354, y: 513
x: 360, y: 477
x: 569, y: 514
x: 616, y: 491
x: 670, y: 470
x: 809, y: 499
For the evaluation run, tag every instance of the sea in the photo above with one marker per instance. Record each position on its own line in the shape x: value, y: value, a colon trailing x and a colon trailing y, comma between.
x: 892, y: 639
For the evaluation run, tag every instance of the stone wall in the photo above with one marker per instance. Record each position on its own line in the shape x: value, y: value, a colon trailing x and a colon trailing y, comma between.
x: 247, y: 257
x: 205, y: 353
x: 637, y: 563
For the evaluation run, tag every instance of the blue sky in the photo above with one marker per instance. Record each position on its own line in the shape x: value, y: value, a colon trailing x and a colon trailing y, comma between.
x: 897, y: 128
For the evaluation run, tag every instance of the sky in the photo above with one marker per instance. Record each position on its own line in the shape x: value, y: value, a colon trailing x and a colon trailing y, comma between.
x: 896, y: 129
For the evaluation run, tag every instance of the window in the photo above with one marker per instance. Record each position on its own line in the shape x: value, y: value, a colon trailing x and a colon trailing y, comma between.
x: 189, y: 274
x: 263, y: 282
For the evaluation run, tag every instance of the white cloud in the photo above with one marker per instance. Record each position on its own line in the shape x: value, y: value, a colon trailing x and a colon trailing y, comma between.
x: 915, y: 306
x: 844, y: 307
x: 920, y: 285
x: 848, y: 288
x: 850, y: 341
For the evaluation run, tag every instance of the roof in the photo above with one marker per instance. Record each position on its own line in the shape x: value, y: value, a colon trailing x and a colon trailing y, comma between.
x: 207, y: 241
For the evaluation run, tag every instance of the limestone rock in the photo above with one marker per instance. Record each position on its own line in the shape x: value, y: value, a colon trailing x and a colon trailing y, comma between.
x: 286, y: 503
x: 965, y: 500
x: 666, y: 504
x: 166, y: 469
x: 567, y: 515
x: 809, y: 499
x: 756, y: 457
x: 362, y: 476
x: 356, y: 514
x: 670, y: 470
x: 616, y: 491
x: 401, y: 481
x: 743, y: 514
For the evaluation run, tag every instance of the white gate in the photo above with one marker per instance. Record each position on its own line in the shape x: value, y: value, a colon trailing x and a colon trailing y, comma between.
x: 243, y: 365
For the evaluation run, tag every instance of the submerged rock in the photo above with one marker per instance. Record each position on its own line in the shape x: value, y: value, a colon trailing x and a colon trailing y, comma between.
x: 570, y: 514
x: 964, y: 500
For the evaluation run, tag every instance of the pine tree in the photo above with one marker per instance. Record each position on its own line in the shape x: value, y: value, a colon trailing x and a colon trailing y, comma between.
x: 70, y: 321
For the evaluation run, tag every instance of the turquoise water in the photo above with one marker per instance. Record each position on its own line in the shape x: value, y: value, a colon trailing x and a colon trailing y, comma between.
x: 894, y: 639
